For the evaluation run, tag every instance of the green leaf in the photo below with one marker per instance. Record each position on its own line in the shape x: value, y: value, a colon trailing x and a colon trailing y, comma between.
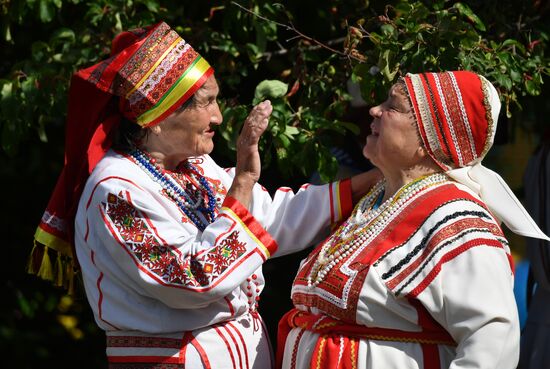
x: 472, y: 17
x: 388, y: 30
x: 516, y: 76
x: 532, y: 88
x: 352, y: 127
x: 64, y: 34
x: 152, y: 6
x: 291, y: 131
x: 46, y: 11
x: 269, y: 89
x: 409, y: 45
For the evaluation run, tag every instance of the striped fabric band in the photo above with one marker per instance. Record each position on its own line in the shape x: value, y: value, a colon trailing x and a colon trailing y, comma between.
x: 427, y: 125
x: 455, y: 128
x: 185, y: 86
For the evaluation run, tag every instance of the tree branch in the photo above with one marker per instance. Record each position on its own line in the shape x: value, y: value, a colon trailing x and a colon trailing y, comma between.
x: 299, y: 34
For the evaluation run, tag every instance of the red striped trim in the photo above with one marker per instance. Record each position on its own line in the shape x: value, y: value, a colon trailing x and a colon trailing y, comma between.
x: 106, y: 179
x: 230, y: 305
x: 226, y: 345
x: 430, y: 352
x: 229, y: 324
x: 450, y: 256
x: 409, y: 220
x: 187, y: 337
x: 346, y: 200
x: 295, y: 349
x: 87, y: 230
x: 251, y: 223
x: 443, y: 234
x: 100, y: 299
x: 284, y: 189
x: 235, y: 344
x: 202, y: 353
x: 331, y: 202
x: 223, y: 234
x: 144, y: 359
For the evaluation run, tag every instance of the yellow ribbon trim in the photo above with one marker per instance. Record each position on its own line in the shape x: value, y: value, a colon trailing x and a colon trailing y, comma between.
x: 53, y: 242
x: 140, y: 82
x: 252, y: 235
x: 180, y: 88
x: 338, y: 202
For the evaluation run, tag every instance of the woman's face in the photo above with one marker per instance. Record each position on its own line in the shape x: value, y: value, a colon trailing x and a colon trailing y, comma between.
x: 189, y: 132
x: 394, y: 141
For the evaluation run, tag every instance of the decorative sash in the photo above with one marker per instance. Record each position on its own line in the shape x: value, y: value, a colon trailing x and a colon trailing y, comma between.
x: 335, y: 334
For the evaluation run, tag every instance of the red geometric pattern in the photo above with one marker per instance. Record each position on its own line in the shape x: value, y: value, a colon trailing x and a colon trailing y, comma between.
x: 161, y: 259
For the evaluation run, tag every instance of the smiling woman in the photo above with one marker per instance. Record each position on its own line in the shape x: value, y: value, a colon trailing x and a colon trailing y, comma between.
x: 170, y: 245
x: 394, y: 146
x: 188, y: 132
x: 420, y: 275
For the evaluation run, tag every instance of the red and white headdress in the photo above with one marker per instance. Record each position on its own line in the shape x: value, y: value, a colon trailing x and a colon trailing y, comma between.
x: 456, y: 115
x: 151, y: 72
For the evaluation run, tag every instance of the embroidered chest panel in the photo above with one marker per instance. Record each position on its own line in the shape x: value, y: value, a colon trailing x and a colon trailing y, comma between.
x: 338, y: 293
x: 160, y: 260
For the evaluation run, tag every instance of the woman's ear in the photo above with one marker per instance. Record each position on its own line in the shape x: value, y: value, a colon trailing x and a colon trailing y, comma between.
x: 156, y: 130
x: 421, y: 152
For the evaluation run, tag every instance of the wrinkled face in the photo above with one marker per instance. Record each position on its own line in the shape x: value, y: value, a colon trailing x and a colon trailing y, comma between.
x: 189, y: 132
x: 394, y: 141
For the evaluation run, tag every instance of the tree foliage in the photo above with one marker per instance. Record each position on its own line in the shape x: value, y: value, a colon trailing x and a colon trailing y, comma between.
x: 299, y: 54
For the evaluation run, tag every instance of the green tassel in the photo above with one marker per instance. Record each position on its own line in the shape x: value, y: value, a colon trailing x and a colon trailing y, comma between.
x: 45, y: 271
x: 31, y: 265
x: 70, y: 277
x: 59, y: 271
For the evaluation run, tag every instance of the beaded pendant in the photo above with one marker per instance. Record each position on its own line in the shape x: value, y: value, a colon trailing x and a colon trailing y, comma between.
x: 191, y: 200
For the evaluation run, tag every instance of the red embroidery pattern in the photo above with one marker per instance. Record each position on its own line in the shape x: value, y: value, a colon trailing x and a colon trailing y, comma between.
x: 163, y: 260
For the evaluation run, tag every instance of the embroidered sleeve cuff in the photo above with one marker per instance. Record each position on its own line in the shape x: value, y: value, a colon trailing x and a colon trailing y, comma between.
x: 251, y: 225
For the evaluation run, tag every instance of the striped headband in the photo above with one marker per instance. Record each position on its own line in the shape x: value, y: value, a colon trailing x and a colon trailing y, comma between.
x: 456, y: 113
x: 152, y: 70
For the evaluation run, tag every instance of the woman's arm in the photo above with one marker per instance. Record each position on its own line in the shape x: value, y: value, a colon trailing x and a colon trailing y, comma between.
x: 249, y: 166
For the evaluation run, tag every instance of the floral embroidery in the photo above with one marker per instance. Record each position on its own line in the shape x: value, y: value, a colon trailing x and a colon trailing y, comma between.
x: 163, y: 260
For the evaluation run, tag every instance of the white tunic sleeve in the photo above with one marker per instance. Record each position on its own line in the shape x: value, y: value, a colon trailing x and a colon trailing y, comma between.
x: 463, y: 277
x: 472, y: 297
x: 298, y: 220
x: 155, y: 252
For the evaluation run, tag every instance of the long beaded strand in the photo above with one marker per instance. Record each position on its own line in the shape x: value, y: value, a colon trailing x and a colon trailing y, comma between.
x: 363, y: 225
x: 179, y: 195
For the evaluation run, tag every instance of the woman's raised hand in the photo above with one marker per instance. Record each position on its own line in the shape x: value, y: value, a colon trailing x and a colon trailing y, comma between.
x: 249, y: 165
x: 248, y: 157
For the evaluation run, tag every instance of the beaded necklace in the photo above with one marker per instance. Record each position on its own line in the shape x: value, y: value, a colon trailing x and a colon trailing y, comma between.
x: 199, y: 211
x: 367, y: 220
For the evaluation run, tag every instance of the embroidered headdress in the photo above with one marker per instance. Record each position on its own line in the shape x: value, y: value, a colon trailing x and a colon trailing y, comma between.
x: 151, y: 72
x: 456, y: 114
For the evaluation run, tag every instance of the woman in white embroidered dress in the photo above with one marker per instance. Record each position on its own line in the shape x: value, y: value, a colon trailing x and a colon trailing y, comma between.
x: 170, y: 245
x: 420, y: 275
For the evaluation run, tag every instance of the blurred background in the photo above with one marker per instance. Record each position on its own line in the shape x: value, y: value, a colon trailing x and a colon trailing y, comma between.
x: 322, y: 63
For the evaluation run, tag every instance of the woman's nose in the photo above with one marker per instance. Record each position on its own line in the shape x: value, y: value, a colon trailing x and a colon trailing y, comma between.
x: 375, y: 111
x: 217, y: 117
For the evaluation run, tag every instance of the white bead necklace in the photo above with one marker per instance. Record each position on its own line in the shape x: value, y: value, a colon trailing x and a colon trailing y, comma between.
x: 364, y: 223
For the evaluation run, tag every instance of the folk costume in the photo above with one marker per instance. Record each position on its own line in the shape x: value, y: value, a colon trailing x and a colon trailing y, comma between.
x: 424, y: 279
x: 171, y: 265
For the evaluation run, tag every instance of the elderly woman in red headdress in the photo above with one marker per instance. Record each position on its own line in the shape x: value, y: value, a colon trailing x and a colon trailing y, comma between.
x: 169, y: 244
x: 420, y: 275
